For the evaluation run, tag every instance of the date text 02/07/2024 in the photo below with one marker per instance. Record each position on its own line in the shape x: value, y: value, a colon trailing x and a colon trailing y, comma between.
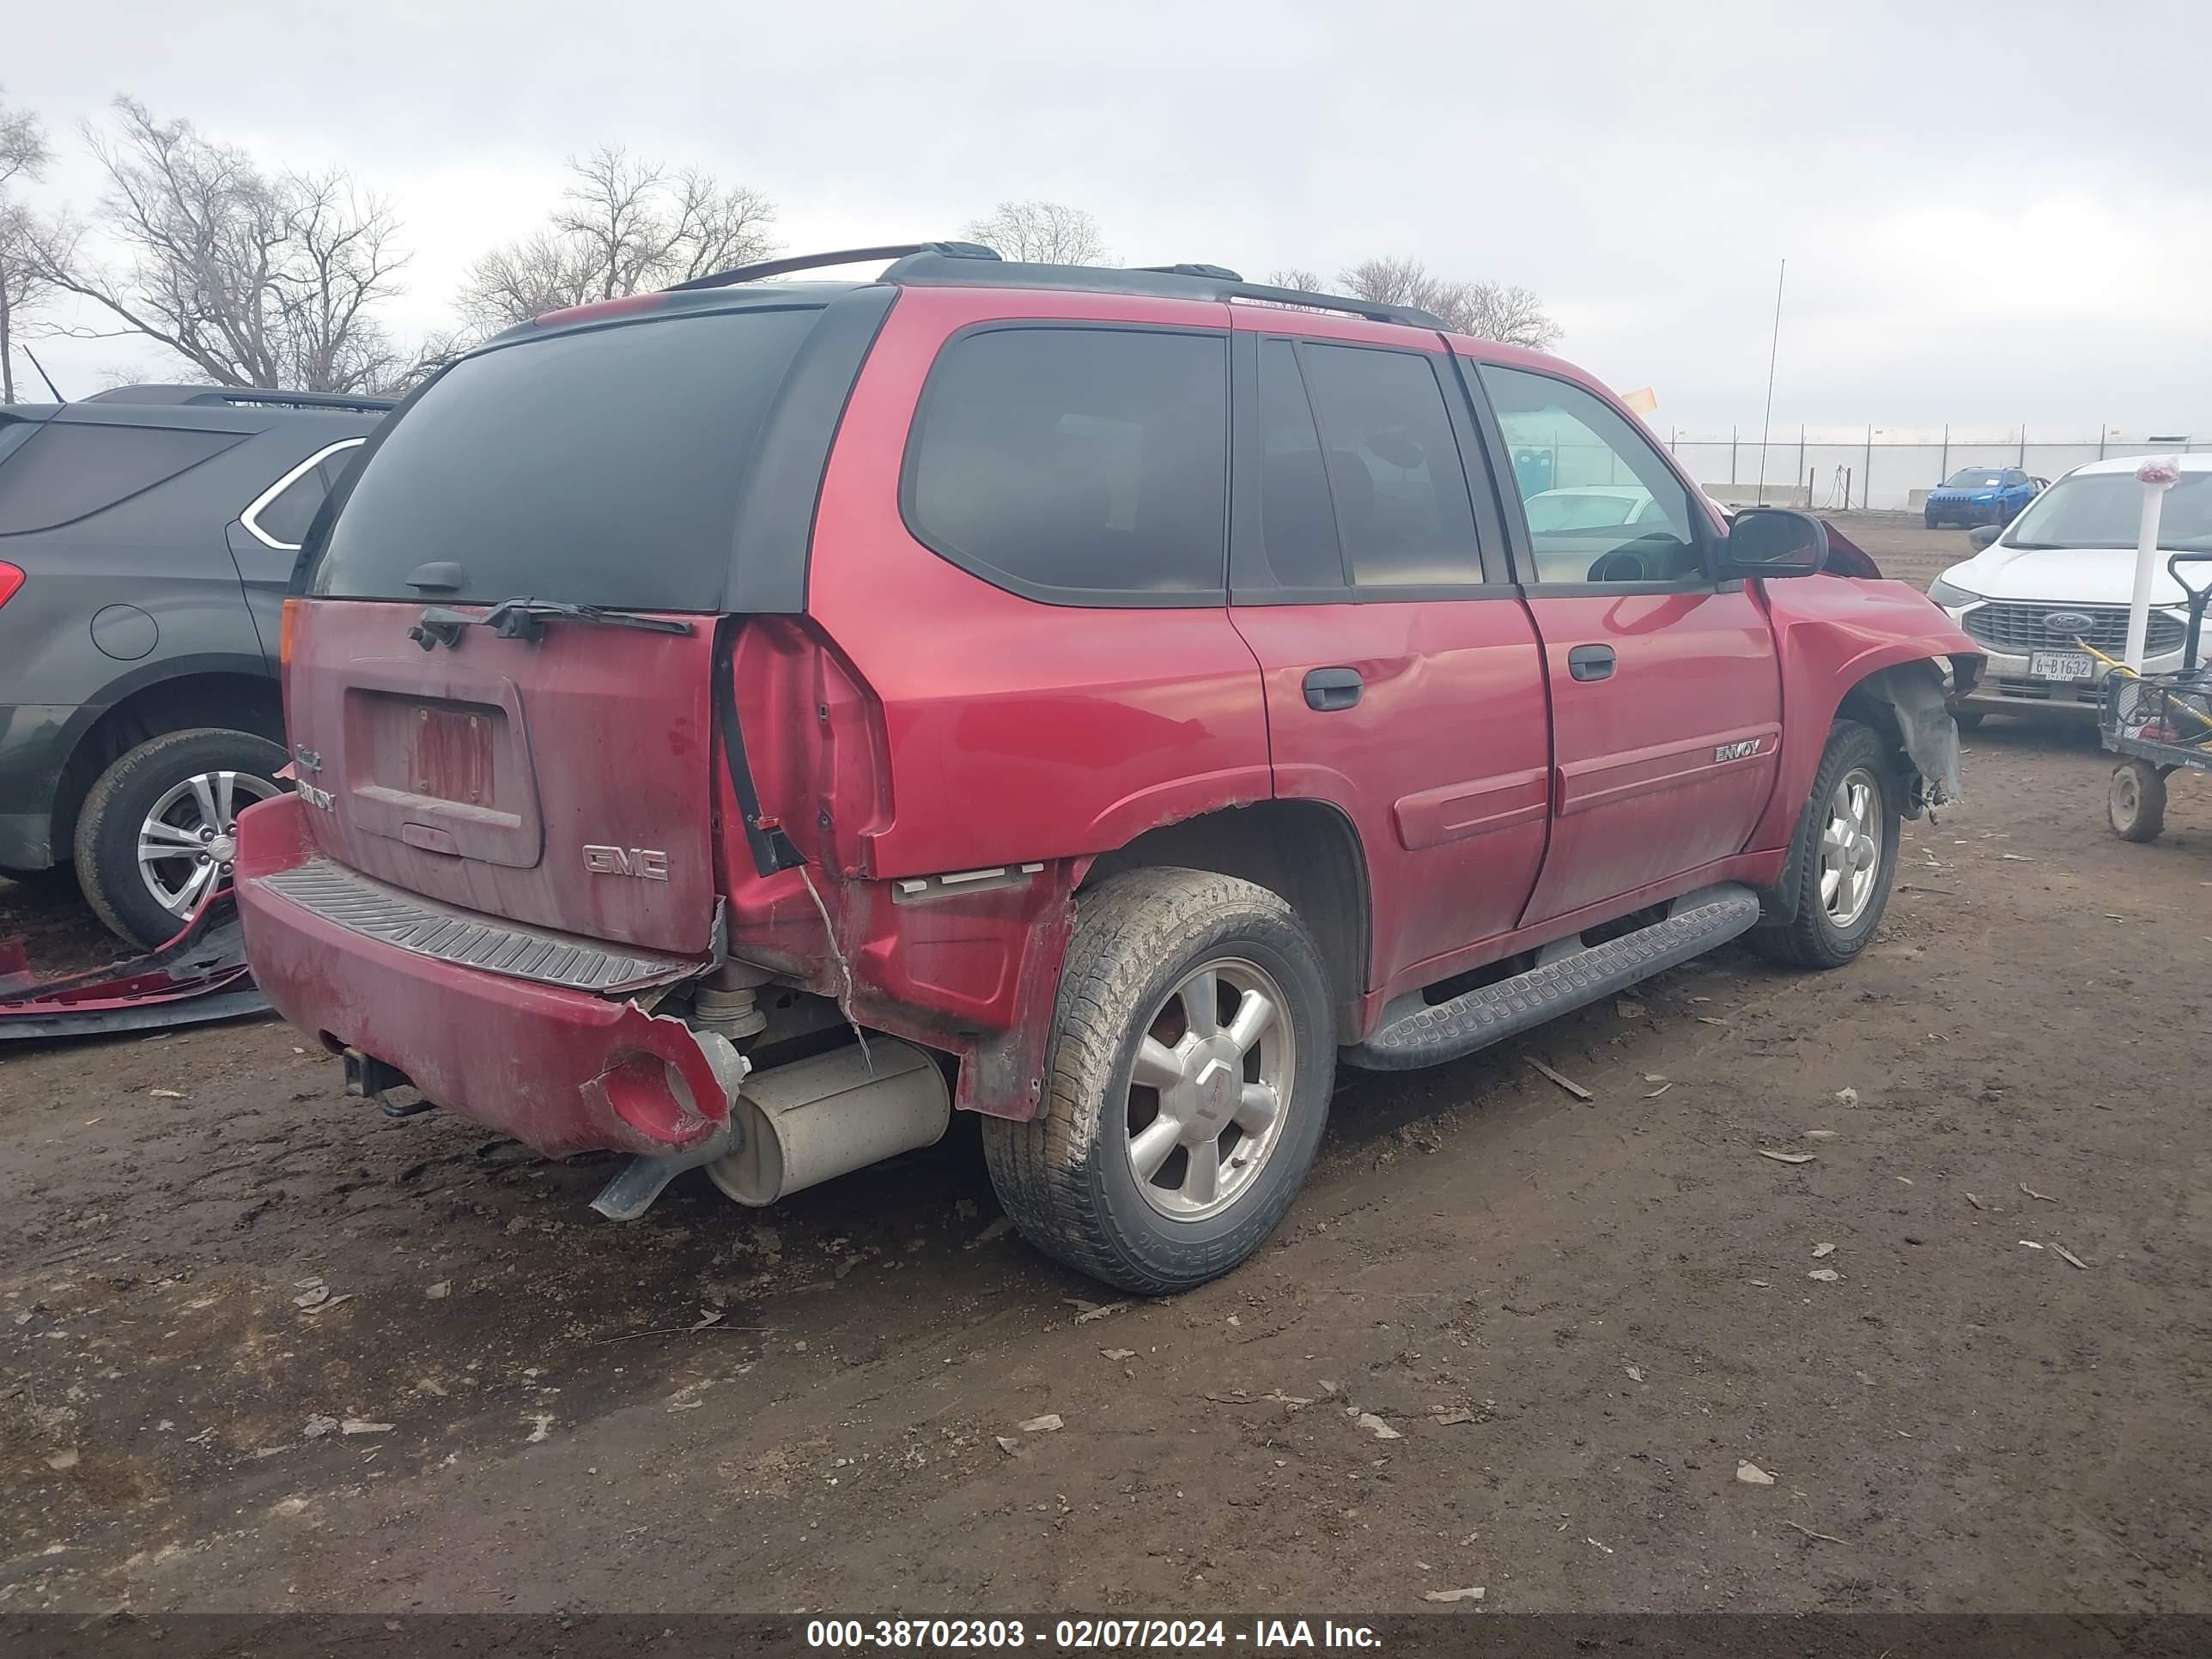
x: 1265, y: 1635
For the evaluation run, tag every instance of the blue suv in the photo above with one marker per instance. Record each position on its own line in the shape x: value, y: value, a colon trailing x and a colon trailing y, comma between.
x: 1981, y: 494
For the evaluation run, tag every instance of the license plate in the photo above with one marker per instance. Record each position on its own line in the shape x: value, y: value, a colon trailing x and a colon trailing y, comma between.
x: 2062, y: 666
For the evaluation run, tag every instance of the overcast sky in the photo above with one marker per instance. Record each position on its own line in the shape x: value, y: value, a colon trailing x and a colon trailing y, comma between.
x: 1992, y: 214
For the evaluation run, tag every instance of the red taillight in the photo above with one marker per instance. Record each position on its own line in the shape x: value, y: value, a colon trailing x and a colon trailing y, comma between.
x: 10, y: 579
x: 599, y: 310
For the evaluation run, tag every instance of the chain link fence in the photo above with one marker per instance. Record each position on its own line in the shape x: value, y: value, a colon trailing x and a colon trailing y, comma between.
x: 1839, y: 467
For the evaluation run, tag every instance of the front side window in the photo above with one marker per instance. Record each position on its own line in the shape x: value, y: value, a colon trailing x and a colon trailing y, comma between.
x: 1600, y: 504
x: 1077, y: 462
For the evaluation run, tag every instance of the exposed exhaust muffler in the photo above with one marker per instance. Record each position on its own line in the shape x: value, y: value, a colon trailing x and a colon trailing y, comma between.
x: 809, y: 1122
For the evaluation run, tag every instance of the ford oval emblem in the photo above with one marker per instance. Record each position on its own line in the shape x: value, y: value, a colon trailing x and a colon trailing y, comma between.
x: 2068, y: 622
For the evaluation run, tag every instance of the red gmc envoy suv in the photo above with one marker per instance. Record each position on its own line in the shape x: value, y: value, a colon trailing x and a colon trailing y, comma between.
x: 736, y: 726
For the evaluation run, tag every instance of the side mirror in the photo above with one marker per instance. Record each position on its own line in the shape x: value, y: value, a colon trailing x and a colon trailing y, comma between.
x: 1773, y: 541
x: 1982, y: 534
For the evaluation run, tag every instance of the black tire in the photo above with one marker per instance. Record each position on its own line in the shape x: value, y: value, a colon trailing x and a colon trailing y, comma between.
x: 1067, y: 1178
x: 1927, y: 517
x: 108, y: 825
x: 1967, y: 720
x: 1810, y: 936
x: 2136, y: 804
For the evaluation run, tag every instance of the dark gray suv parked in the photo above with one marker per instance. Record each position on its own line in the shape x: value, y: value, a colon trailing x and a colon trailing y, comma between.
x: 147, y: 539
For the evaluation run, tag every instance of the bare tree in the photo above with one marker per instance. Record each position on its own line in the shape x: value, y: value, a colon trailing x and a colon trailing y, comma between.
x: 1493, y: 311
x: 1296, y: 276
x: 256, y: 279
x: 623, y: 226
x: 1042, y: 233
x: 23, y: 155
x: 1504, y: 312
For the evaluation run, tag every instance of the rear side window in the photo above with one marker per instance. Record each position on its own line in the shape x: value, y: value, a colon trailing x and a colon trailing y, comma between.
x: 281, y: 520
x: 1393, y: 464
x: 1298, y: 522
x: 1077, y: 463
x: 598, y: 467
x: 67, y: 470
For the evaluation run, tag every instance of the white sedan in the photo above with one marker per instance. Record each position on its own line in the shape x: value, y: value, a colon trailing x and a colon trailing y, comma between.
x: 2056, y: 581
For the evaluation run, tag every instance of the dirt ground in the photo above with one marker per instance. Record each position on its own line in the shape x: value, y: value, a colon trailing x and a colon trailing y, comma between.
x: 264, y: 1348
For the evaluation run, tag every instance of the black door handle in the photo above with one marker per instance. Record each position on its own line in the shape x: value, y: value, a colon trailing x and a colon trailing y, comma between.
x: 1590, y: 662
x: 1330, y: 689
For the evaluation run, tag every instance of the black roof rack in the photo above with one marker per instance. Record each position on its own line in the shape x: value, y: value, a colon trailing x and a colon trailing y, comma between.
x: 960, y: 264
x: 926, y: 269
x: 244, y: 396
x: 851, y: 256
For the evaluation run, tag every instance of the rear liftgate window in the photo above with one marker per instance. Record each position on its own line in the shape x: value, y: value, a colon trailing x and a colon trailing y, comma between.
x: 599, y: 467
x: 1077, y: 464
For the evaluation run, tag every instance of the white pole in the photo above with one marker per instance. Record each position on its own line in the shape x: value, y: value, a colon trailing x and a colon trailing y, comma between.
x: 2156, y: 478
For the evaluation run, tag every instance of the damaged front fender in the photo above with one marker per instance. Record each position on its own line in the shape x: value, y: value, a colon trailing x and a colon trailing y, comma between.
x: 1914, y: 693
x: 1874, y: 644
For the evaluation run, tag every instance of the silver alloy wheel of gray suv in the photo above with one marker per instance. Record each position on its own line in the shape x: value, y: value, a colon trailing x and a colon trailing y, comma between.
x: 158, y: 833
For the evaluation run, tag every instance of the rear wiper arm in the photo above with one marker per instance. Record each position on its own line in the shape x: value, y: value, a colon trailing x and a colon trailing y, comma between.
x: 525, y: 619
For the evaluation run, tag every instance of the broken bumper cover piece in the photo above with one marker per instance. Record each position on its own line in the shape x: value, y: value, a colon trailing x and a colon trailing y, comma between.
x: 563, y: 1070
x: 201, y: 975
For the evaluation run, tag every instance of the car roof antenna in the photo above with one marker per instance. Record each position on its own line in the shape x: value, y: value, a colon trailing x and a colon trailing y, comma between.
x: 43, y: 375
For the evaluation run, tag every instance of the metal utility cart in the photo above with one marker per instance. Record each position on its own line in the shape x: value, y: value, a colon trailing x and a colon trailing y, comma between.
x: 2159, y: 723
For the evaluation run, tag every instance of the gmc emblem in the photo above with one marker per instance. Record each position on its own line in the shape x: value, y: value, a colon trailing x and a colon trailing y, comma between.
x: 646, y: 863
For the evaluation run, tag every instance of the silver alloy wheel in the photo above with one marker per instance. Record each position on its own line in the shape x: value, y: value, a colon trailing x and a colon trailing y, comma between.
x: 1211, y: 1089
x: 190, y: 840
x: 1851, y: 846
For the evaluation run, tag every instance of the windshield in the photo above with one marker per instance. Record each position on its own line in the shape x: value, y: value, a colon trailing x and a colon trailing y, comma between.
x: 598, y: 467
x: 1972, y: 477
x: 2104, y: 509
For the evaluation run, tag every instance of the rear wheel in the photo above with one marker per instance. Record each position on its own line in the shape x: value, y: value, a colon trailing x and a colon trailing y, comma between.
x: 1193, y: 1051
x: 158, y: 832
x: 2136, y: 805
x: 1843, y: 856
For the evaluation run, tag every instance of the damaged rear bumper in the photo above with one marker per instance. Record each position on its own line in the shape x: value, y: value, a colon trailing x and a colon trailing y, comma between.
x: 560, y: 1069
